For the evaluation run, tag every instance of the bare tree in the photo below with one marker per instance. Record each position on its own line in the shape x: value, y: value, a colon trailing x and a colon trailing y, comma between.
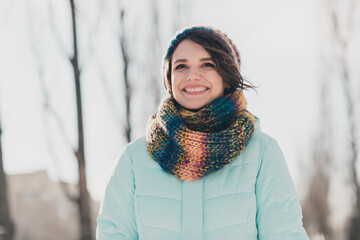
x: 155, y: 51
x: 35, y: 46
x: 6, y: 223
x: 342, y: 28
x: 84, y: 197
x: 5, y: 220
x: 128, y: 91
x: 316, y: 206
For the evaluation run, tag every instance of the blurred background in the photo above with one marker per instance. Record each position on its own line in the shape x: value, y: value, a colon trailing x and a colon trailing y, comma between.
x: 79, y: 79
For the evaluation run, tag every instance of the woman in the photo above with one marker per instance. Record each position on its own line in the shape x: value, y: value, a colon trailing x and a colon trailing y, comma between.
x: 204, y: 170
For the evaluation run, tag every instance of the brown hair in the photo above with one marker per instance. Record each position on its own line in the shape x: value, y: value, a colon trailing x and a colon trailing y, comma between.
x: 221, y: 53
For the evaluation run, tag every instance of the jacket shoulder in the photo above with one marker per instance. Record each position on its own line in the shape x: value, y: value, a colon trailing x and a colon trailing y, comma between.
x: 135, y: 144
x: 138, y: 154
x: 135, y: 147
x: 260, y: 138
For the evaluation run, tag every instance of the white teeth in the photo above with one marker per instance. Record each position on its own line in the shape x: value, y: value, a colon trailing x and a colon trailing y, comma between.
x: 199, y: 89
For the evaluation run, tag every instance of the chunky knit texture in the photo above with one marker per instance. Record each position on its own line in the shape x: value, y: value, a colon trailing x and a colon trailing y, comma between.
x: 190, y: 144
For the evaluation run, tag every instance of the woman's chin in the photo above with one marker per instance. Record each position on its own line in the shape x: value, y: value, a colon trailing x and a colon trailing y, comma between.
x: 193, y: 106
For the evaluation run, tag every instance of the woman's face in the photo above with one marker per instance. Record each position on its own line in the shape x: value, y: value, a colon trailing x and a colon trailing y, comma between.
x: 194, y: 79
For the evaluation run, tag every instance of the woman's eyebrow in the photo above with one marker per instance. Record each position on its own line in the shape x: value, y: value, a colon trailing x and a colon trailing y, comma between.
x: 180, y: 60
x: 185, y: 60
x: 206, y: 59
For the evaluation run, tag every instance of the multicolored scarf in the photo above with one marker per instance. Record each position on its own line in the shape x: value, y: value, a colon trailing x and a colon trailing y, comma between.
x: 191, y: 145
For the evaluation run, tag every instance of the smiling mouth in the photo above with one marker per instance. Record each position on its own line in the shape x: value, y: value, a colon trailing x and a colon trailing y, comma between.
x: 195, y: 90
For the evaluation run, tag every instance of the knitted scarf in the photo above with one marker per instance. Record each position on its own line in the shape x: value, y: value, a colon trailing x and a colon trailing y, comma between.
x: 190, y: 145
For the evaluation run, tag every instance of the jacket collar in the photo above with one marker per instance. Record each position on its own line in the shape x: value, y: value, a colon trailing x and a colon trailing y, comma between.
x: 257, y: 123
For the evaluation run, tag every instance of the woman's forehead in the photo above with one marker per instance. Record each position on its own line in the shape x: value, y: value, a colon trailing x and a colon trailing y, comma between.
x: 189, y: 49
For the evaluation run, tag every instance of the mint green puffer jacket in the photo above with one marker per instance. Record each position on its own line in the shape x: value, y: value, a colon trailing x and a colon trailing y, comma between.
x: 251, y: 198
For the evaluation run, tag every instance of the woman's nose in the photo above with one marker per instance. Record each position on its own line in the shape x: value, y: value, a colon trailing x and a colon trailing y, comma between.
x: 193, y: 74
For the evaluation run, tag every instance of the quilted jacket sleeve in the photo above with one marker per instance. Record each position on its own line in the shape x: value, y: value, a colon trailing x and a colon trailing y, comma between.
x: 116, y: 218
x: 279, y: 215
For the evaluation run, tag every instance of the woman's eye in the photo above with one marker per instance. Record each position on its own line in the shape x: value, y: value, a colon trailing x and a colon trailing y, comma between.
x: 209, y: 64
x: 180, y: 66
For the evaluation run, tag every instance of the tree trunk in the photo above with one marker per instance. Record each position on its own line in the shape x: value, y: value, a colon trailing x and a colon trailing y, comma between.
x: 5, y: 220
x: 84, y: 198
x: 125, y: 58
x: 316, y: 204
x: 155, y: 49
x: 354, y: 228
x: 343, y: 42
